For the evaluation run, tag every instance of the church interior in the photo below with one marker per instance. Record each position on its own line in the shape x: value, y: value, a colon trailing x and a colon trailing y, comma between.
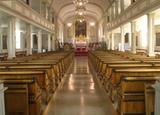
x: 79, y: 57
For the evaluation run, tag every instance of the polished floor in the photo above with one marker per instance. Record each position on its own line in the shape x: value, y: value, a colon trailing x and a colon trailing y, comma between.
x: 80, y: 94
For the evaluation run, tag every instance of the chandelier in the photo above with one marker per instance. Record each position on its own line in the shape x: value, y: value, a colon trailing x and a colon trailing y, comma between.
x: 80, y: 2
x: 80, y: 9
x: 80, y: 18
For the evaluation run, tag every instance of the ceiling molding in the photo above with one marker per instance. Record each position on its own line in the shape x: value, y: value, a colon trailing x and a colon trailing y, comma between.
x: 71, y: 3
x: 100, y: 6
x: 71, y: 14
x: 92, y: 9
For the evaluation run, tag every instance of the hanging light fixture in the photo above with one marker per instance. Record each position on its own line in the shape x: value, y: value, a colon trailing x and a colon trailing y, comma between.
x: 80, y: 9
x: 80, y: 2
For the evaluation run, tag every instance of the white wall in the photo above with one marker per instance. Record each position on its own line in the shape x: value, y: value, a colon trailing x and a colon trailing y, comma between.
x: 60, y: 31
x: 117, y: 40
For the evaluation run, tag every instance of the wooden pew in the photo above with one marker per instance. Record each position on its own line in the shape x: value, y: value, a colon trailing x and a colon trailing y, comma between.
x: 21, y: 53
x: 110, y: 67
x: 56, y: 64
x: 24, y: 92
x: 103, y: 66
x: 127, y: 85
x: 59, y: 70
x: 108, y: 70
x: 131, y: 94
x: 28, y: 79
x: 149, y: 99
x: 119, y: 74
x: 50, y: 86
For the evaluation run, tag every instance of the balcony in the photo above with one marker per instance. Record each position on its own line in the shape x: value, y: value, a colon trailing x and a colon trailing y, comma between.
x: 20, y: 9
x: 137, y: 9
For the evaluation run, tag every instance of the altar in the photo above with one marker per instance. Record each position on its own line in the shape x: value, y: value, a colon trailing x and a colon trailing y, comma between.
x: 81, y: 46
x: 81, y: 41
x: 81, y: 51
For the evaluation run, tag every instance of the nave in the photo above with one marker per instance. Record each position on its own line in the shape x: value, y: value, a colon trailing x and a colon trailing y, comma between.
x: 80, y: 93
x: 42, y: 68
x: 58, y: 83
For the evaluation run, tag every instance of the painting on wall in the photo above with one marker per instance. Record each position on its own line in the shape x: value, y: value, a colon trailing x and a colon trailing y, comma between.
x: 35, y: 41
x: 137, y: 41
x: 80, y: 28
x: 157, y: 39
x: 25, y: 43
x: 4, y: 41
x: 126, y: 37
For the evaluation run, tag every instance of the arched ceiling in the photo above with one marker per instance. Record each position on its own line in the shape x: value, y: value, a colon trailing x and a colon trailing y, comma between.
x: 94, y: 8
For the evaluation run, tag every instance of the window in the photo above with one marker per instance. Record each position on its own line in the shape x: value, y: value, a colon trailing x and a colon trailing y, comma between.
x: 26, y: 1
x: 127, y: 3
x: 4, y: 41
x: 108, y: 19
x: 133, y: 1
x: 126, y: 37
x: 157, y: 39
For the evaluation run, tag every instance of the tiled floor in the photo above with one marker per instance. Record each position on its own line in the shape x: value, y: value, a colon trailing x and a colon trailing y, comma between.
x: 80, y: 94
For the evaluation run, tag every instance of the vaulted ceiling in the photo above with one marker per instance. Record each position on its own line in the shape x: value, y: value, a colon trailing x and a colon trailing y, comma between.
x: 95, y: 8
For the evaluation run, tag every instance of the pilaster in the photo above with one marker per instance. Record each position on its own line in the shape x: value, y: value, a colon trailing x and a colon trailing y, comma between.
x: 49, y: 42
x: 151, y: 35
x: 133, y: 38
x: 157, y: 95
x: 29, y: 39
x: 39, y: 41
x: 53, y: 43
x: 112, y: 41
x: 122, y: 39
x: 12, y: 38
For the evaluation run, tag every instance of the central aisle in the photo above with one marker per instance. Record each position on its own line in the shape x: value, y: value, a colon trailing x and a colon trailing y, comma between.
x: 80, y: 94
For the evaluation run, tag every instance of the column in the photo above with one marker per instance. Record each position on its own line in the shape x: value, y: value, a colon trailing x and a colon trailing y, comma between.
x: 122, y: 39
x: 112, y: 41
x: 39, y: 41
x: 157, y: 95
x: 130, y: 36
x: 109, y: 44
x: 2, y: 99
x: 12, y: 38
x: 29, y: 39
x: 49, y: 42
x: 133, y: 37
x: 151, y: 35
x: 108, y: 41
x: 53, y: 43
x: 46, y: 11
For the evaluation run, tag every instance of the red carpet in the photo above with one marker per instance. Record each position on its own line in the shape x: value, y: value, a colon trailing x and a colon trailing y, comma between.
x: 81, y: 52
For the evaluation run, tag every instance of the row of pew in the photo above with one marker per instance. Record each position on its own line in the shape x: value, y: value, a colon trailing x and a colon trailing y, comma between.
x: 128, y: 80
x: 32, y: 81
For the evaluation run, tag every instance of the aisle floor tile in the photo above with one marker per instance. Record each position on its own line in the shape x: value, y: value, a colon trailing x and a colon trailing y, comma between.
x: 80, y: 94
